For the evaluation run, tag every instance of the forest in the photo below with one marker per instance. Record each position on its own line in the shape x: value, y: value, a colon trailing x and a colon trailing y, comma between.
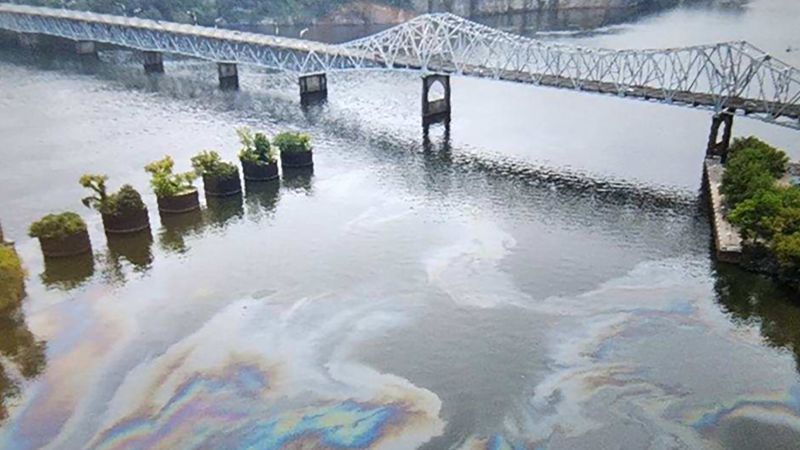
x: 208, y: 12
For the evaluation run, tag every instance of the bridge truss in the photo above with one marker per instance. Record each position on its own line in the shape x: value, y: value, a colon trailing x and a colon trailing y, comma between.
x: 733, y: 77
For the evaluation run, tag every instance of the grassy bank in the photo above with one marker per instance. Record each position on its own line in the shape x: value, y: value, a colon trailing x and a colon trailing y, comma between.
x: 211, y: 12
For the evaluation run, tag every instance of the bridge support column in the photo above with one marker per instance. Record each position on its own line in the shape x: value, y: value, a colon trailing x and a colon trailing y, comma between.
x: 228, y: 76
x: 437, y: 110
x: 153, y: 62
x: 719, y: 145
x: 86, y: 48
x: 28, y: 40
x: 313, y: 88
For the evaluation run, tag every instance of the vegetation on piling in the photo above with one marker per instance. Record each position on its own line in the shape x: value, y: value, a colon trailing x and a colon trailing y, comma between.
x: 290, y: 142
x: 165, y: 183
x: 256, y: 148
x: 209, y: 163
x: 127, y: 199
x: 766, y: 212
x: 12, y: 277
x: 57, y: 226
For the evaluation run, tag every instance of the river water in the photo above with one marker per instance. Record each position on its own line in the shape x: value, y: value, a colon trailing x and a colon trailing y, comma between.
x: 539, y: 276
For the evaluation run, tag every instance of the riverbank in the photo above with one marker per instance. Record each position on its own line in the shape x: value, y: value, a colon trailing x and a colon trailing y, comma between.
x: 727, y: 240
x: 755, y: 208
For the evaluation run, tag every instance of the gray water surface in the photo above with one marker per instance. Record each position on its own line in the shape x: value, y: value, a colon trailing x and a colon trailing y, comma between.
x: 538, y: 277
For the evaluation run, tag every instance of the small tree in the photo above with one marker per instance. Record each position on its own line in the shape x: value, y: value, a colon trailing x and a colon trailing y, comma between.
x: 293, y: 142
x: 256, y: 147
x: 97, y: 183
x: 164, y: 182
x: 125, y: 200
x: 209, y: 163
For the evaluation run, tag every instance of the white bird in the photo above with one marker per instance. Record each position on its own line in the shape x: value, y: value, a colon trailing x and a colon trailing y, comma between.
x: 303, y: 32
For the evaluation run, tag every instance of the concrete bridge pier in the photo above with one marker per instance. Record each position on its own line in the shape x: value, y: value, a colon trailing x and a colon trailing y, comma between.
x: 28, y: 40
x: 719, y: 145
x: 86, y: 49
x: 435, y: 110
x: 313, y: 88
x: 228, y: 76
x: 153, y: 62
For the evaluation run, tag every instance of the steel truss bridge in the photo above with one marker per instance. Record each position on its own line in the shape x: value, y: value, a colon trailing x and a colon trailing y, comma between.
x: 731, y: 77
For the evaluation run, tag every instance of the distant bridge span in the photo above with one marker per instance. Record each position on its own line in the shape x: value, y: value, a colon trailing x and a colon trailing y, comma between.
x: 727, y: 78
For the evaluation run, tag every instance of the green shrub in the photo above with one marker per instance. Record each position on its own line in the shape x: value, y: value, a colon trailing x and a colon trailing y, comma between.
x: 12, y: 277
x: 256, y: 149
x: 164, y: 182
x: 293, y: 142
x: 769, y: 212
x: 752, y: 167
x: 209, y: 163
x: 57, y: 226
x: 774, y: 159
x: 125, y: 200
x: 787, y: 249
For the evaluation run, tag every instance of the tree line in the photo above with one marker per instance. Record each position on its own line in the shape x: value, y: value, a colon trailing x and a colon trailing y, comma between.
x: 208, y: 12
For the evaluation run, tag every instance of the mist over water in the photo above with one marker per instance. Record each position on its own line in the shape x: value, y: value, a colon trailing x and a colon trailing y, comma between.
x: 537, y: 276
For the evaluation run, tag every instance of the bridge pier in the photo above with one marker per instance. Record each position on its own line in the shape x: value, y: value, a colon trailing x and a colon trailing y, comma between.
x: 228, y: 76
x: 86, y: 49
x: 437, y: 110
x: 153, y: 62
x: 719, y: 145
x: 28, y: 41
x: 313, y: 88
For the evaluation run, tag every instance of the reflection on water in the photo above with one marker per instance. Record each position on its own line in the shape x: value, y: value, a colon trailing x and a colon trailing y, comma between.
x: 175, y: 228
x: 299, y: 180
x: 135, y: 249
x: 23, y: 357
x: 68, y: 273
x: 262, y: 198
x: 756, y: 300
x: 535, y: 275
x: 223, y: 211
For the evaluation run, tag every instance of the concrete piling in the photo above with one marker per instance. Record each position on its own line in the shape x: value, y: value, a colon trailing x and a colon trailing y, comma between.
x: 437, y: 110
x: 313, y: 88
x: 86, y: 49
x: 716, y: 146
x: 153, y: 62
x: 228, y: 76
